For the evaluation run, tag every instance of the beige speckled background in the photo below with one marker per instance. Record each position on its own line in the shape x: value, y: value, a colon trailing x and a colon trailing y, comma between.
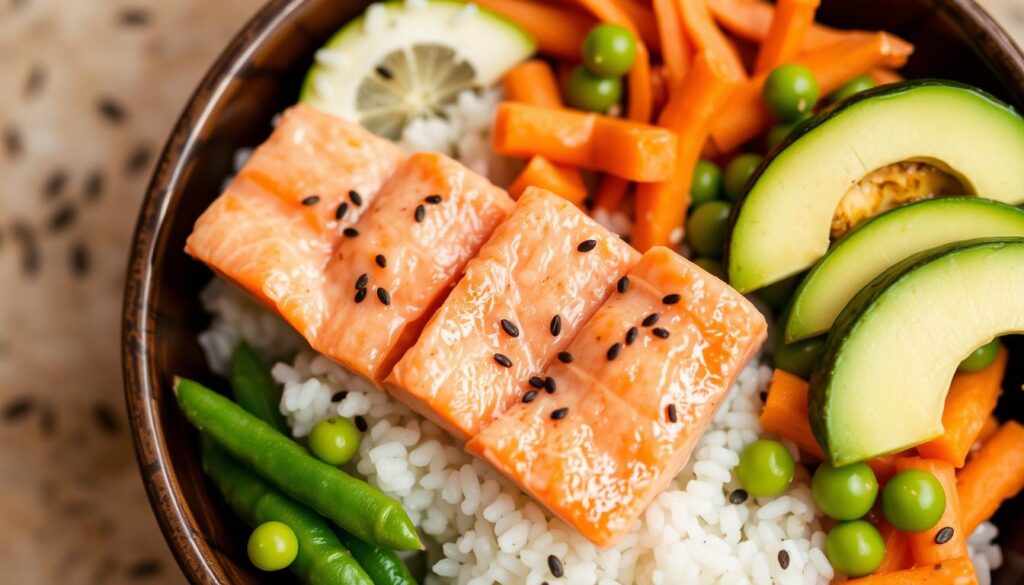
x: 88, y: 91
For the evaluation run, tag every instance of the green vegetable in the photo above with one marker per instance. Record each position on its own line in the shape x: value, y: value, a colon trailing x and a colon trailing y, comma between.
x: 777, y: 294
x: 609, y: 50
x: 844, y: 493
x: 778, y: 133
x: 854, y: 86
x: 254, y: 388
x: 711, y: 265
x: 705, y: 228
x: 272, y: 546
x: 348, y: 502
x: 913, y: 500
x: 592, y: 93
x: 321, y: 559
x: 980, y: 358
x: 706, y: 184
x: 791, y: 91
x: 738, y: 172
x: 800, y: 357
x: 766, y: 468
x: 334, y: 440
x: 381, y: 564
x: 855, y: 548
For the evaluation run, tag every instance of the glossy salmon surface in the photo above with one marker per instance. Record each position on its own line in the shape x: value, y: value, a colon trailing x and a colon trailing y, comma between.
x: 627, y: 408
x: 522, y: 299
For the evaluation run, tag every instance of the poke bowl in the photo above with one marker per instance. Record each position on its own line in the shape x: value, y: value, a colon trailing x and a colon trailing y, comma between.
x: 586, y: 292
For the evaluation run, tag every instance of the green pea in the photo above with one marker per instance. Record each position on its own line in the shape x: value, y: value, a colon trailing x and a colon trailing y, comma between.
x: 334, y: 440
x: 777, y: 294
x: 766, y: 468
x: 852, y: 87
x: 738, y: 172
x: 790, y: 91
x: 778, y: 133
x: 706, y: 227
x: 981, y: 358
x: 711, y: 265
x: 706, y: 184
x: 855, y: 548
x: 844, y: 493
x: 273, y: 546
x: 592, y: 93
x: 800, y: 357
x: 609, y: 50
x: 913, y: 500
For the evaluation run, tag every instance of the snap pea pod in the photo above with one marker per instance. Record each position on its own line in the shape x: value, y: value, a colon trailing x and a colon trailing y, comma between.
x: 322, y: 559
x: 254, y: 389
x: 348, y: 502
x: 381, y: 564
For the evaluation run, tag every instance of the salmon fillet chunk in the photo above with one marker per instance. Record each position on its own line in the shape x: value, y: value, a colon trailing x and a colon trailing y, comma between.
x: 634, y: 391
x: 390, y: 272
x: 542, y: 274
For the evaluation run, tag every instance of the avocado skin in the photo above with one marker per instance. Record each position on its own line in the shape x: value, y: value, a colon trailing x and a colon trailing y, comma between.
x: 819, y: 394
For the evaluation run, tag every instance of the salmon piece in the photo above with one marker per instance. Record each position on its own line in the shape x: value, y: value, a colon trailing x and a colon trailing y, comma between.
x: 528, y: 272
x: 426, y: 223
x: 633, y: 411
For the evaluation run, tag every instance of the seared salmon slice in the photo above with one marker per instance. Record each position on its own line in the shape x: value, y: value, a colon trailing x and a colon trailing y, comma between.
x: 628, y: 407
x: 542, y: 274
x: 391, y: 271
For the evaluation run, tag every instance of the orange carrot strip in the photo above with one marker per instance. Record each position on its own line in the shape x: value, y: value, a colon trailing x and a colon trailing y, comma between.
x: 958, y: 571
x: 659, y: 86
x: 790, y: 22
x: 661, y: 207
x: 988, y: 430
x: 539, y: 172
x: 745, y: 116
x: 922, y: 544
x: 611, y: 192
x: 971, y: 399
x: 675, y: 52
x: 638, y: 152
x: 643, y: 18
x: 785, y: 412
x: 707, y: 37
x: 884, y: 76
x: 884, y: 466
x: 993, y: 474
x: 559, y: 30
x: 532, y: 82
x: 897, y: 549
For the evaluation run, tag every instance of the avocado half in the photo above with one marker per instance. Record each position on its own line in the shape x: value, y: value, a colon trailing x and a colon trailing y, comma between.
x: 780, y: 226
x: 882, y: 382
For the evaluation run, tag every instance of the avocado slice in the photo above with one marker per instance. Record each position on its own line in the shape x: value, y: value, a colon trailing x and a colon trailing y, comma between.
x: 781, y: 225
x: 889, y: 359
x: 886, y: 239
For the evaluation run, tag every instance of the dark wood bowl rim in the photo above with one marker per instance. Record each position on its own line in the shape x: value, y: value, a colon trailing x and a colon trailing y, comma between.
x: 196, y: 557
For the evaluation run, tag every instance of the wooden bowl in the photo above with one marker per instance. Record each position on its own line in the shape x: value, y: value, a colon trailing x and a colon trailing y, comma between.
x: 257, y: 76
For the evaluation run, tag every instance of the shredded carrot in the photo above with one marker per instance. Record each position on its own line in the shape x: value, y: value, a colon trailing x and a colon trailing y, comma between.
x: 988, y: 430
x: 708, y: 38
x: 558, y: 30
x: 884, y: 466
x: 642, y: 17
x: 611, y: 192
x: 897, y: 549
x: 923, y: 545
x: 638, y: 152
x: 971, y: 399
x: 958, y: 571
x: 661, y: 207
x: 675, y: 51
x: 539, y: 172
x: 745, y: 116
x: 659, y: 86
x: 884, y: 76
x: 532, y: 82
x: 790, y: 22
x: 785, y: 412
x: 994, y: 474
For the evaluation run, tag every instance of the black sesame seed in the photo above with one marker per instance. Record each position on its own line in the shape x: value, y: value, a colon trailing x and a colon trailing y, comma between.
x: 29, y: 243
x: 564, y: 357
x: 537, y: 382
x: 938, y: 566
x: 384, y: 72
x: 105, y: 419
x: 660, y: 332
x: 559, y: 414
x: 79, y: 260
x: 433, y: 199
x: 945, y: 535
x: 133, y: 17
x: 555, y: 565
x: 587, y: 245
x: 502, y: 360
x: 62, y: 218
x: 783, y: 559
x: 530, y: 396
x: 420, y: 213
x: 623, y: 284
x: 355, y: 197
x: 509, y: 328
x: 383, y: 296
x: 381, y: 260
x: 361, y: 424
x: 556, y: 325
x: 339, y: 396
x: 650, y: 319
x: 35, y: 80
x: 614, y: 351
x: 764, y: 396
x: 18, y: 408
x: 670, y: 412
x: 340, y: 210
x: 93, y: 185
x: 138, y: 160
x: 362, y: 281
x: 12, y: 141
x: 549, y: 385
x: 143, y: 569
x: 671, y: 299
x: 350, y: 232
x: 55, y: 183
x: 311, y: 200
x: 738, y: 496
x: 111, y: 110
x: 631, y: 335
x: 360, y: 295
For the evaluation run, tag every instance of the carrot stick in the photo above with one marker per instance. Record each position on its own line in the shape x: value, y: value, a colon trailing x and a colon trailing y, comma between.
x: 559, y: 30
x: 884, y: 76
x: 884, y: 466
x: 958, y: 571
x: 897, y: 549
x: 790, y: 22
x: 675, y: 52
x: 988, y: 430
x: 643, y: 18
x: 923, y: 546
x: 638, y: 152
x: 971, y: 399
x: 659, y: 86
x: 661, y: 207
x: 532, y: 82
x: 707, y: 37
x: 785, y: 412
x: 539, y: 172
x: 995, y: 473
x: 611, y: 192
x: 745, y: 116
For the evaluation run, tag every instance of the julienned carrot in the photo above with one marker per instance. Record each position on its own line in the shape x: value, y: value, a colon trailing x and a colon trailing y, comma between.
x: 745, y: 116
x: 643, y: 18
x: 705, y: 35
x: 539, y: 172
x: 659, y: 86
x: 558, y: 30
x: 971, y: 399
x: 790, y: 22
x: 675, y: 51
x: 884, y: 76
x: 785, y: 412
x: 923, y: 545
x: 897, y: 549
x: 638, y: 152
x: 532, y: 82
x: 611, y: 192
x: 884, y: 466
x: 959, y: 571
x: 988, y: 430
x: 661, y: 207
x: 993, y: 474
